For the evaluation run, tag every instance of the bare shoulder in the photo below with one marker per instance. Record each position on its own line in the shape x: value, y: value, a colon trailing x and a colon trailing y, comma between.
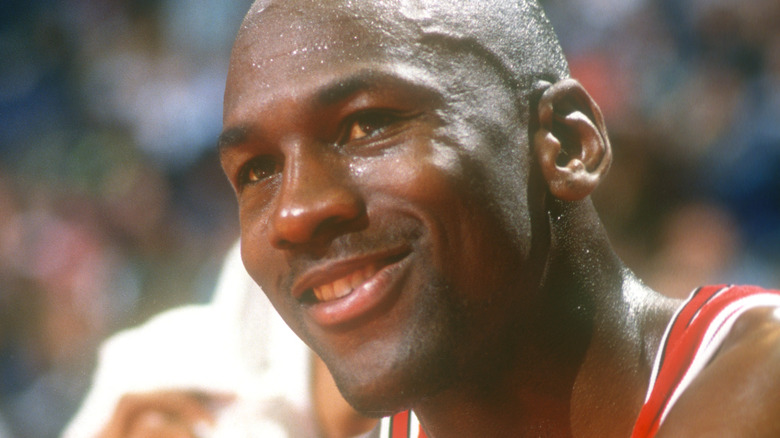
x: 738, y: 393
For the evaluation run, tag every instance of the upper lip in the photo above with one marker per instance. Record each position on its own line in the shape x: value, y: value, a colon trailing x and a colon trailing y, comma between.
x: 332, y: 270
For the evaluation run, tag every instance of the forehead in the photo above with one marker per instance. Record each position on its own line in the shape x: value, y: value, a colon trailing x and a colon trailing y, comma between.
x: 297, y: 29
x: 295, y: 39
x: 287, y: 51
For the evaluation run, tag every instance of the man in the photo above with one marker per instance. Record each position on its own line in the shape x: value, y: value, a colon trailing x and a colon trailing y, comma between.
x: 413, y: 180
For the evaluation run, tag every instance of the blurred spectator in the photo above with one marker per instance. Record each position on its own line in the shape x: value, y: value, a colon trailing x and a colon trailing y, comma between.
x: 696, y: 242
x: 112, y: 204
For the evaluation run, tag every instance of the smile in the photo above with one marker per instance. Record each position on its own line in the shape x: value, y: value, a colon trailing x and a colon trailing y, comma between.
x: 348, y: 290
x: 345, y: 285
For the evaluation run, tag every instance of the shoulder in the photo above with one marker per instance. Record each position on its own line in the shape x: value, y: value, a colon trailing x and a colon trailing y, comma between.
x: 736, y: 394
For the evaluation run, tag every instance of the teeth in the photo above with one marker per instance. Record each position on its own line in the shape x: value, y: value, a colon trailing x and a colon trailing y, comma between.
x: 344, y: 285
x: 325, y: 292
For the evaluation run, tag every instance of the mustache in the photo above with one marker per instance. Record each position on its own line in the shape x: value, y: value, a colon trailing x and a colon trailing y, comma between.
x: 349, y: 246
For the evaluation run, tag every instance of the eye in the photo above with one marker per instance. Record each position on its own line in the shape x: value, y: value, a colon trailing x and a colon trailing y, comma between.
x: 257, y: 170
x: 367, y: 124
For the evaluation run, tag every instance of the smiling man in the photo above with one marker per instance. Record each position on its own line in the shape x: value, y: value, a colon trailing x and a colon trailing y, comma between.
x: 413, y: 179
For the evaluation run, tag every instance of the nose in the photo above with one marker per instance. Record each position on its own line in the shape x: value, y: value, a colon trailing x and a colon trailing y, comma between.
x: 316, y: 202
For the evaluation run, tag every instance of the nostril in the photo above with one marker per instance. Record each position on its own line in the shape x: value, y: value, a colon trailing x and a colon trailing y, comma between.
x: 282, y: 244
x: 330, y: 223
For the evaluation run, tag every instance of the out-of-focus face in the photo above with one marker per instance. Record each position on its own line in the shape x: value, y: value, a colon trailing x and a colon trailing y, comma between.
x: 382, y: 194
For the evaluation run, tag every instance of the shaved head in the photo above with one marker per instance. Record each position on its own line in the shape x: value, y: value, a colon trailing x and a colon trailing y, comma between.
x: 514, y: 36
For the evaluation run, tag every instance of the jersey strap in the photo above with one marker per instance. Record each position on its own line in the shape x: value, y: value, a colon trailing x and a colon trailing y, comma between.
x: 401, y: 425
x: 692, y: 338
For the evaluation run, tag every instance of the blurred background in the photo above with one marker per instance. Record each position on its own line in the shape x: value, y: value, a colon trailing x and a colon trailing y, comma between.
x: 113, y: 206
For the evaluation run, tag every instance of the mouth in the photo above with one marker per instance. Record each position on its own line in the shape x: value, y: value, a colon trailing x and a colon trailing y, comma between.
x: 342, y: 291
x: 344, y: 285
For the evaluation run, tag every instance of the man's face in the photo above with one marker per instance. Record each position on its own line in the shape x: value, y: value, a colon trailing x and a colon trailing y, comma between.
x: 381, y: 188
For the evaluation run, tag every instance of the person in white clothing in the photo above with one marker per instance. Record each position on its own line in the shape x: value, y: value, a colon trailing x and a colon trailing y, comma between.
x: 230, y: 368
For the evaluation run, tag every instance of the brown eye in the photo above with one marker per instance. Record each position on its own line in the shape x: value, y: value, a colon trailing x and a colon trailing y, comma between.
x: 257, y: 170
x: 367, y: 124
x: 359, y: 130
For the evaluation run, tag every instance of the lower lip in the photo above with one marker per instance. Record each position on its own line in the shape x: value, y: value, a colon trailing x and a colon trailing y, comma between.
x: 374, y: 294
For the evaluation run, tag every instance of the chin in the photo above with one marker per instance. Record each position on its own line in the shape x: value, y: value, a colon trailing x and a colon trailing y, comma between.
x: 384, y: 395
x: 375, y: 400
x: 382, y: 378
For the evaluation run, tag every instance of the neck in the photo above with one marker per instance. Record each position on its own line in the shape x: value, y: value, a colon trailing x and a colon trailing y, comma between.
x: 584, y: 356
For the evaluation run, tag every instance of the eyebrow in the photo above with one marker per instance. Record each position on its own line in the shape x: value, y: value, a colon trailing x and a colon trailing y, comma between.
x: 232, y: 137
x: 333, y: 93
x: 328, y: 95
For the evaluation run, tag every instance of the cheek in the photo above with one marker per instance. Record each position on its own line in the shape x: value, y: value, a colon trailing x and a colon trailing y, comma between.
x: 254, y: 227
x: 468, y: 229
x: 262, y: 262
x: 427, y: 184
x: 425, y: 181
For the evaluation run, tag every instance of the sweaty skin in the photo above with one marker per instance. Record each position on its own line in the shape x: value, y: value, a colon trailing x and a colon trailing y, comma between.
x: 416, y: 206
x: 355, y: 168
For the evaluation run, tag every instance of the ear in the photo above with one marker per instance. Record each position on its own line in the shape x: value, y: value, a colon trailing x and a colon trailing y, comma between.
x: 571, y: 143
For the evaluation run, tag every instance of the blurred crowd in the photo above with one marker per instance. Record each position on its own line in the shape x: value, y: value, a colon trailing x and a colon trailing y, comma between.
x: 112, y: 203
x: 113, y: 206
x: 691, y: 93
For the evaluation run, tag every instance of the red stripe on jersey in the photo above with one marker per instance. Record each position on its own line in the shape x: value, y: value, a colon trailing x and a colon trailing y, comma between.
x: 399, y: 425
x: 686, y: 338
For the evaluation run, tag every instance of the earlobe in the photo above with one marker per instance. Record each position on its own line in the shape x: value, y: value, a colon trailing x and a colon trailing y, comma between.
x: 570, y: 142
